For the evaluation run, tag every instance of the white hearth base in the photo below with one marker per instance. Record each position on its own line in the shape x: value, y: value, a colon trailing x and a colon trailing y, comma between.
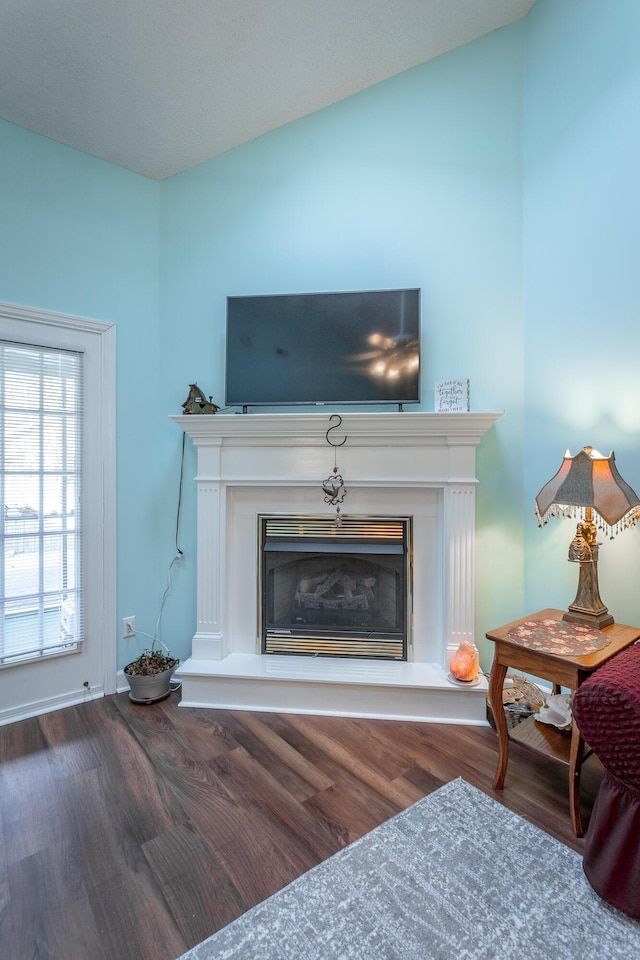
x: 380, y: 689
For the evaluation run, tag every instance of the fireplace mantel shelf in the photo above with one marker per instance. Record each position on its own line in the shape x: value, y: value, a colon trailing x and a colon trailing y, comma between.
x: 366, y: 428
x: 410, y: 463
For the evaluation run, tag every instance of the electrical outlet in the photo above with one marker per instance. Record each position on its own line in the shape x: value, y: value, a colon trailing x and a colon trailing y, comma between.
x: 129, y: 627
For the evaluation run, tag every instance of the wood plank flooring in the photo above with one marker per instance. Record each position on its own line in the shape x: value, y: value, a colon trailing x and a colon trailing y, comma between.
x: 134, y: 832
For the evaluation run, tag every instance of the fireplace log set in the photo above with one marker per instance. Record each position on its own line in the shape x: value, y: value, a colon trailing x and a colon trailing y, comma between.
x: 335, y: 589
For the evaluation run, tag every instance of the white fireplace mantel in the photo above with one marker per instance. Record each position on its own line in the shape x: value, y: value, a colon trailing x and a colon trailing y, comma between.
x: 414, y: 464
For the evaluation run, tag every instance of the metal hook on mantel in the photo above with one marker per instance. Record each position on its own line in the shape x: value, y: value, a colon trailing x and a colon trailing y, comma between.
x: 335, y: 427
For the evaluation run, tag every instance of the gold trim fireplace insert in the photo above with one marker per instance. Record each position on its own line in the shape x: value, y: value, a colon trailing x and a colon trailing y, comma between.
x: 335, y: 589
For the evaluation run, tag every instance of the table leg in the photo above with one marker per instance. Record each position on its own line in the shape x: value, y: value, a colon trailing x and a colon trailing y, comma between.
x: 575, y: 766
x: 496, y: 685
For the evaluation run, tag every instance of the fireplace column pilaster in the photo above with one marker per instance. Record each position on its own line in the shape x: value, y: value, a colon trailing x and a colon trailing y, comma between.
x: 209, y: 641
x: 459, y: 539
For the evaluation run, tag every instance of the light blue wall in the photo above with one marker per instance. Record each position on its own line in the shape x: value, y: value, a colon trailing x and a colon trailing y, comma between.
x: 582, y: 292
x: 518, y: 148
x: 415, y: 182
x: 80, y: 236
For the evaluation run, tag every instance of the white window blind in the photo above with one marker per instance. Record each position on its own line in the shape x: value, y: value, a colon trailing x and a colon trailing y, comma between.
x: 41, y: 425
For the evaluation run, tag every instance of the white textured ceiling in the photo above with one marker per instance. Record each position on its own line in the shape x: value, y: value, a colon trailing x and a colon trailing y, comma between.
x: 157, y: 86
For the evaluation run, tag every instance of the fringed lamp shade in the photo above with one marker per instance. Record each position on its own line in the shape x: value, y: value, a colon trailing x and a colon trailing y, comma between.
x: 589, y: 488
x: 589, y: 480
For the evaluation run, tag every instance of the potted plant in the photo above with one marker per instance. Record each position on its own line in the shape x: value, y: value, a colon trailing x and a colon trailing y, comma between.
x: 149, y: 675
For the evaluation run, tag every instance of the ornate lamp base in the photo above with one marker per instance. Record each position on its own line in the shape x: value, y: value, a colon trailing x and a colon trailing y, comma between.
x: 587, y: 606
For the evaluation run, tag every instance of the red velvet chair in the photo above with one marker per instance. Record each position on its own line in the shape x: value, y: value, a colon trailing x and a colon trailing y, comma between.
x: 606, y: 708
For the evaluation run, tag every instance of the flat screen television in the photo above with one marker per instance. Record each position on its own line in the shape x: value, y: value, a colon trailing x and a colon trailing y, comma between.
x: 323, y: 348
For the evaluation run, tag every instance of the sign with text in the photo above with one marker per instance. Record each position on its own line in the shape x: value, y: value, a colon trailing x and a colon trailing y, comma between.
x: 452, y: 396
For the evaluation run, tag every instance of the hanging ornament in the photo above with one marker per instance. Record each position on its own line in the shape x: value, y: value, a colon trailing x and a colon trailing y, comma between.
x: 333, y: 487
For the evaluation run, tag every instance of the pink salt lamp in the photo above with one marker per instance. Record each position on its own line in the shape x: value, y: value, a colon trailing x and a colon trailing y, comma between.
x: 465, y: 662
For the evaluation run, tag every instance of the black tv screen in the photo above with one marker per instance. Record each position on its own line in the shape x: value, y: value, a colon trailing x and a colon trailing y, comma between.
x: 322, y: 348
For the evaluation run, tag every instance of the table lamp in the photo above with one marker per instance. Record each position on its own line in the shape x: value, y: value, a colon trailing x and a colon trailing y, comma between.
x: 588, y: 488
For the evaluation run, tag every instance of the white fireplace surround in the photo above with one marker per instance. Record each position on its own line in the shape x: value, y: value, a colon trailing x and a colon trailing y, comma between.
x: 415, y: 464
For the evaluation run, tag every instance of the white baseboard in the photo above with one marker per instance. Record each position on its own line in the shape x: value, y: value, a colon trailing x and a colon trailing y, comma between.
x: 38, y: 707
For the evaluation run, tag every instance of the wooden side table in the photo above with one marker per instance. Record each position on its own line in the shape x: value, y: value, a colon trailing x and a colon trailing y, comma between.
x: 561, y: 671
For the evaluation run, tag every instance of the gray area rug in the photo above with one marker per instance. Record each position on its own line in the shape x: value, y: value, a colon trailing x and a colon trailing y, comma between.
x: 457, y: 875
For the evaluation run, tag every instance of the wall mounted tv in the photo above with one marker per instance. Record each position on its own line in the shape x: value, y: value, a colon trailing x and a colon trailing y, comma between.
x: 323, y: 348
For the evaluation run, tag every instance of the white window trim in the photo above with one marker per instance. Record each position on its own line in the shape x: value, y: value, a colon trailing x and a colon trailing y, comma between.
x: 45, y: 328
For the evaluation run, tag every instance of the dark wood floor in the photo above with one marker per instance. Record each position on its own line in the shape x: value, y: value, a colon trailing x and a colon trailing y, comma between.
x: 133, y: 832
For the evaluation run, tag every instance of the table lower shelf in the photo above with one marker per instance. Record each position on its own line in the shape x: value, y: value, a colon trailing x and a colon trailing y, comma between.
x: 543, y: 738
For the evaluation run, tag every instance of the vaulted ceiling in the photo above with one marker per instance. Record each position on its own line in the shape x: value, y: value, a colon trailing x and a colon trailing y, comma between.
x: 158, y: 86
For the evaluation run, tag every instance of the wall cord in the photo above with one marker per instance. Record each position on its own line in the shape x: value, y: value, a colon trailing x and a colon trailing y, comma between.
x: 175, y: 684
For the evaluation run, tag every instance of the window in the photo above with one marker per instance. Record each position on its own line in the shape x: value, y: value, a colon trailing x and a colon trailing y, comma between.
x: 41, y: 415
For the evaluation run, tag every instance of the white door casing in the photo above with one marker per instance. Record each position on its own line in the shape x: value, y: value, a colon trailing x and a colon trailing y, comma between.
x: 38, y: 686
